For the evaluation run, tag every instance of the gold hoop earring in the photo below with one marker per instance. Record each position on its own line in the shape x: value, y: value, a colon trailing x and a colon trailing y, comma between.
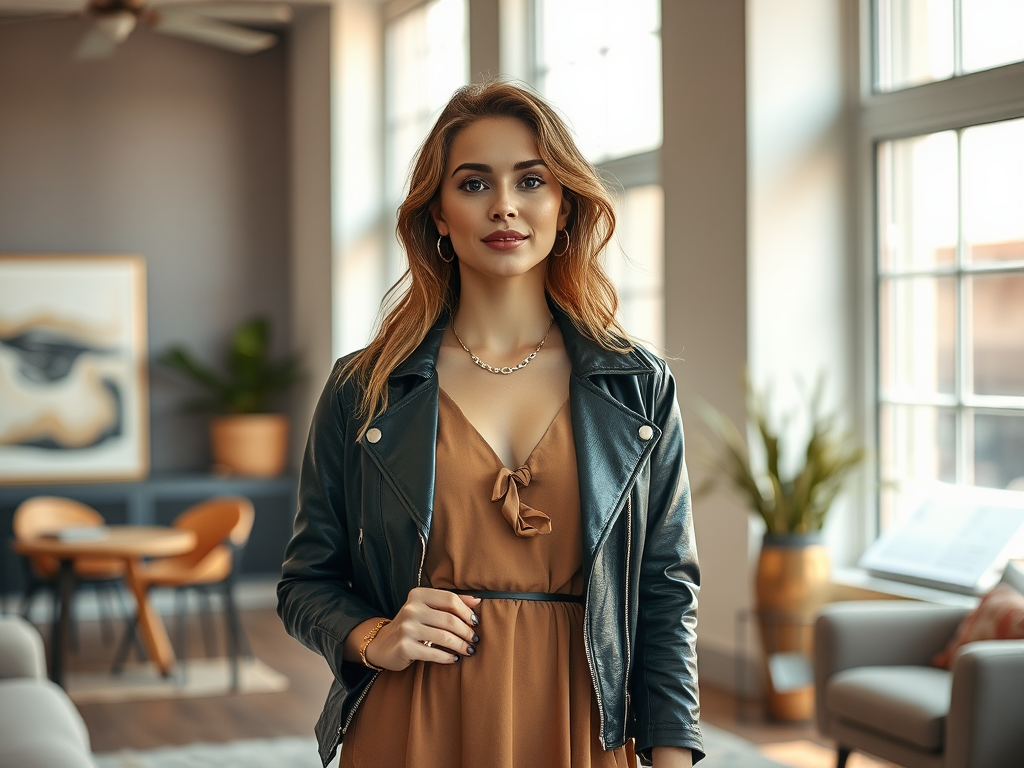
x: 441, y: 255
x: 564, y: 250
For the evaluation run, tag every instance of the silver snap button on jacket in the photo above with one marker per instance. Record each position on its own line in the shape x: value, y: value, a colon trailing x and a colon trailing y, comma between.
x: 373, y: 435
x: 645, y: 432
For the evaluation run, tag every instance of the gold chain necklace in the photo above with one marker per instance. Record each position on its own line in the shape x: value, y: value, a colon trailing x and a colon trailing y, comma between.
x: 506, y: 370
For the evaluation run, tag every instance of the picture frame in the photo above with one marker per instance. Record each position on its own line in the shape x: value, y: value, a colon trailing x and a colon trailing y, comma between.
x: 74, y: 394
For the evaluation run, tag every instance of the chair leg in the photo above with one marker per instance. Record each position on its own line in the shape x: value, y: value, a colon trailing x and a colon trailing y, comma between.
x: 842, y: 755
x: 129, y: 639
x: 28, y: 598
x: 234, y: 631
x: 205, y: 617
x: 104, y: 606
x: 181, y: 609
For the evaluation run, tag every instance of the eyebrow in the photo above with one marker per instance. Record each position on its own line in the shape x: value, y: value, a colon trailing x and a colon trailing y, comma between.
x: 480, y: 167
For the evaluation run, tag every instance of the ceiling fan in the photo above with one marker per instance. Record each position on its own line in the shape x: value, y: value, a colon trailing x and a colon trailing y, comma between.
x: 215, y: 24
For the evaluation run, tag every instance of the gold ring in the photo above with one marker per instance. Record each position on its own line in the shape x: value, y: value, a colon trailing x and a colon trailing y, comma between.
x: 428, y: 644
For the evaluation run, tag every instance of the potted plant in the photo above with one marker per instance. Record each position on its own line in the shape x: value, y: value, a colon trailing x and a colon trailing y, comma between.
x: 246, y: 437
x: 792, y: 576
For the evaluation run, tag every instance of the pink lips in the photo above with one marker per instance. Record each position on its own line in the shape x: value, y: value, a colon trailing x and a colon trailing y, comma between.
x: 504, y: 240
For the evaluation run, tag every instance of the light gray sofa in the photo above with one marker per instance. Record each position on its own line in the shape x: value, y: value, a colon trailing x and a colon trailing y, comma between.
x: 39, y: 726
x: 877, y: 693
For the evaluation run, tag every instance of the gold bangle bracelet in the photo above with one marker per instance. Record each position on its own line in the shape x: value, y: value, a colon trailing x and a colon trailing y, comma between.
x: 367, y: 638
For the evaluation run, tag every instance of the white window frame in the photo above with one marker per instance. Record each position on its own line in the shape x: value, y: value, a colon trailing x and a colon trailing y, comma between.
x: 959, y: 102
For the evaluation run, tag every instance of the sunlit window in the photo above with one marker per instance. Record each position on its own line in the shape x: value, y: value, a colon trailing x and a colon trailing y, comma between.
x: 920, y: 41
x: 426, y: 59
x: 599, y: 61
x: 951, y: 309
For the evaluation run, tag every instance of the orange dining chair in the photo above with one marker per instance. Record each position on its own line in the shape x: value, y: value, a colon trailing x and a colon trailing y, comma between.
x: 41, y: 515
x: 222, y: 526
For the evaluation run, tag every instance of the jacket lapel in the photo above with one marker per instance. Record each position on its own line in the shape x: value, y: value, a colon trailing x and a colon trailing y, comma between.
x: 609, y: 448
x: 406, y: 448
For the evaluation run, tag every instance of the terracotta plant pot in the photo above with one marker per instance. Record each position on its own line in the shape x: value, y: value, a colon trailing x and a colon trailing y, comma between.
x: 252, y: 444
x: 791, y: 585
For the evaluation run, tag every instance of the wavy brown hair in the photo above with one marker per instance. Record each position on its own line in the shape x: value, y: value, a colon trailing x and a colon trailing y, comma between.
x: 575, y: 281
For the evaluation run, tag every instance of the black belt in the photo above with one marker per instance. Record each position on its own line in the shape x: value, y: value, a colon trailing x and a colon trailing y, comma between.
x: 548, y: 597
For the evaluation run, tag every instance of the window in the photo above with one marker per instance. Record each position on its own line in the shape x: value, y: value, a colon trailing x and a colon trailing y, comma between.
x: 426, y: 54
x: 599, y: 63
x: 920, y: 41
x: 949, y: 248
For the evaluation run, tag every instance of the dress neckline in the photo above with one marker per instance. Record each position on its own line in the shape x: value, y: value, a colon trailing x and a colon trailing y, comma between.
x: 490, y: 449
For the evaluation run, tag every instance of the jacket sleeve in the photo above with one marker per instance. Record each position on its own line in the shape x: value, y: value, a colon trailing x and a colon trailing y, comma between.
x: 315, y: 597
x: 667, y: 707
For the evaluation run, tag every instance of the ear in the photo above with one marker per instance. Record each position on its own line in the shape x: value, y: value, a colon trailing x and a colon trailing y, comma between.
x: 564, y: 210
x: 438, y: 217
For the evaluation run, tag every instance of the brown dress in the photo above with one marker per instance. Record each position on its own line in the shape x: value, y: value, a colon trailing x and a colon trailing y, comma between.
x: 524, y: 700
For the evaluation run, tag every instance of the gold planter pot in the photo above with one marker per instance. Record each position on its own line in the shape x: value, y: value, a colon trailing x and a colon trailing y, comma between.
x: 252, y: 444
x: 791, y: 585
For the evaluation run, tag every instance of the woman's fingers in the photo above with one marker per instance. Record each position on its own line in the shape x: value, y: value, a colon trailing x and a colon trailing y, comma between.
x: 434, y: 625
x: 458, y: 605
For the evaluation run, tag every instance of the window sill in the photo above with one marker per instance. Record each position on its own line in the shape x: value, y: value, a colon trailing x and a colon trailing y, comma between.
x: 858, y: 584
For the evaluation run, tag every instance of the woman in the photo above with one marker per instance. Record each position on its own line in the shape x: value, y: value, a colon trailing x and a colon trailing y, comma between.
x: 494, y: 547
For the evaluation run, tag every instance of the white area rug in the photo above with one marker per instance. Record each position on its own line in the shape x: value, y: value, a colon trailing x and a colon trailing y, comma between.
x: 724, y: 751
x: 203, y: 677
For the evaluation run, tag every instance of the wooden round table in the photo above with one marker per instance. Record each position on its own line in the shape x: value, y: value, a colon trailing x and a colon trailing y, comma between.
x: 130, y: 543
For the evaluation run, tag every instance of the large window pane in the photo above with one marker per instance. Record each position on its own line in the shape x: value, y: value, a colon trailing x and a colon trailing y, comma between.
x: 426, y: 59
x: 917, y: 331
x: 918, y: 443
x: 917, y: 194
x: 599, y: 61
x: 997, y: 334
x: 993, y: 191
x: 999, y: 450
x: 636, y: 263
x: 993, y: 33
x: 915, y: 42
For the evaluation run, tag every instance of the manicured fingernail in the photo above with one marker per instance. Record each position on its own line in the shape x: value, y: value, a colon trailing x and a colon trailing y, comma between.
x: 470, y: 650
x: 474, y: 619
x: 456, y: 657
x: 476, y: 638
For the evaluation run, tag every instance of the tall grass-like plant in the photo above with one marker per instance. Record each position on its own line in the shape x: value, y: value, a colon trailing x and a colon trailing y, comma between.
x: 795, y: 503
x: 250, y: 379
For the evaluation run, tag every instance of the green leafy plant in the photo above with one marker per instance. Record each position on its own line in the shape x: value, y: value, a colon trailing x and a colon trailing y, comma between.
x: 251, y: 379
x: 793, y: 504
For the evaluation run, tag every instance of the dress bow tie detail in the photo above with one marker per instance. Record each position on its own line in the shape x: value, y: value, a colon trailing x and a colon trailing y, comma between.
x: 525, y: 520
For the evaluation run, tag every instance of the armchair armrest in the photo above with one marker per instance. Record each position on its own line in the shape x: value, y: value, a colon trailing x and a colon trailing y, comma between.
x: 983, y: 726
x: 877, y: 633
x: 21, y: 649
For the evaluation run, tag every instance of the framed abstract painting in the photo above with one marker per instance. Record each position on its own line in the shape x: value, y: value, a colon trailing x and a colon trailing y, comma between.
x: 74, y: 400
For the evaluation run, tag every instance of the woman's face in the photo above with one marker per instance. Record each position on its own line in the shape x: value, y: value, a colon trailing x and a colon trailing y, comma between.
x: 499, y: 203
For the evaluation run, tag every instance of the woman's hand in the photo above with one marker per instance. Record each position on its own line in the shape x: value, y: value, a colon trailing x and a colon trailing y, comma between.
x: 672, y: 757
x: 442, y: 618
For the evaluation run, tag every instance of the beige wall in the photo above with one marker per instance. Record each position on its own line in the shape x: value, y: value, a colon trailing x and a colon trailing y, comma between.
x: 169, y: 149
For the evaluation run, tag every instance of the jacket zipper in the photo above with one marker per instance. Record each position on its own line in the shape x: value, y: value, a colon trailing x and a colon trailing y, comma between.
x: 419, y: 575
x: 629, y: 546
x: 423, y: 558
x: 590, y: 663
x: 343, y: 728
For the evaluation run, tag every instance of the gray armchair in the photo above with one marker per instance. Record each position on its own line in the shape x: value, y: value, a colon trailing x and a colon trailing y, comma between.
x: 877, y: 693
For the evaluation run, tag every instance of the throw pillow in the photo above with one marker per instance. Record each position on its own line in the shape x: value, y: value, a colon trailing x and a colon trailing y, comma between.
x: 999, y: 616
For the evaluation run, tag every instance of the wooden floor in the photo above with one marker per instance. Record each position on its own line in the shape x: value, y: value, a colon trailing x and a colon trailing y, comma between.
x: 148, y: 724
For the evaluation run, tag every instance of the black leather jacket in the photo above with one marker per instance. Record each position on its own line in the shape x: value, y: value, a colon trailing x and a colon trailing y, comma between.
x: 364, y: 520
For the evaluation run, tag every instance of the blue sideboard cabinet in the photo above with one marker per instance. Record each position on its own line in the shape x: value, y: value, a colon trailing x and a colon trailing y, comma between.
x: 157, y: 500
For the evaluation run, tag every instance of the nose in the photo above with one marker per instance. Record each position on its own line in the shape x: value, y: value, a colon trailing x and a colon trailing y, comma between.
x: 504, y: 208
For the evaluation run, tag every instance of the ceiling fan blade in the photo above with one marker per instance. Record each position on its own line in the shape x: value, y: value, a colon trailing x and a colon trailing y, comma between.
x: 241, y: 13
x: 96, y: 44
x: 41, y: 7
x: 200, y: 29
